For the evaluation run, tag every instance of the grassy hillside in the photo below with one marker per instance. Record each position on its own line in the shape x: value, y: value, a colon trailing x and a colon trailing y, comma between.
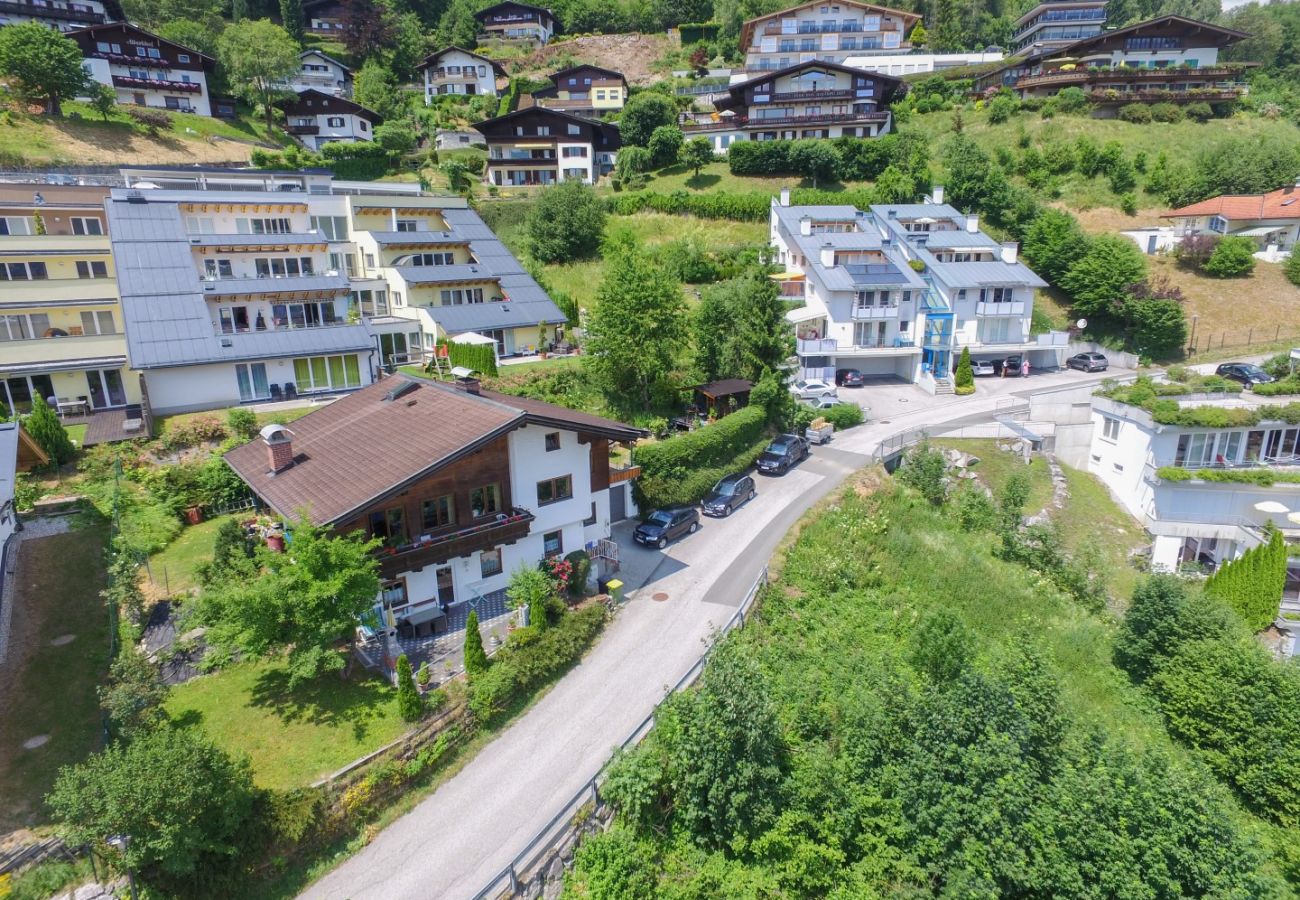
x: 82, y: 137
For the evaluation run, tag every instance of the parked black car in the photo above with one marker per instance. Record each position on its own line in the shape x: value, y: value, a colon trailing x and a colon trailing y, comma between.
x: 727, y: 494
x: 1010, y: 366
x: 782, y: 453
x: 664, y: 525
x: 1244, y: 373
x: 849, y: 378
x: 1088, y: 362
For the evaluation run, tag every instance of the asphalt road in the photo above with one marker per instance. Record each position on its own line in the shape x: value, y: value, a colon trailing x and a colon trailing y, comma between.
x: 472, y: 826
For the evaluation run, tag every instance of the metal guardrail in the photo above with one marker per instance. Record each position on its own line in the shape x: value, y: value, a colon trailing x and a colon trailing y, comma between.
x: 507, y: 881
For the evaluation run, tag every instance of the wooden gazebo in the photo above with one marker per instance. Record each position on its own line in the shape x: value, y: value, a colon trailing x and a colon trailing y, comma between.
x: 716, y: 398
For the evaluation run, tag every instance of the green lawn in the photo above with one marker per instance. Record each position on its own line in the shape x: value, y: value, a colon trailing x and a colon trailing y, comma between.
x: 48, y: 690
x: 996, y: 466
x: 291, y: 737
x: 172, y: 569
x: 76, y: 433
x: 1093, y: 518
x: 283, y: 416
x: 716, y: 176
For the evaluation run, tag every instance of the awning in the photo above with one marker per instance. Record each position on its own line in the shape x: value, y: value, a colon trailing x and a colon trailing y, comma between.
x: 1259, y: 232
x: 471, y: 337
x: 802, y: 314
x: 68, y: 365
x: 527, y: 147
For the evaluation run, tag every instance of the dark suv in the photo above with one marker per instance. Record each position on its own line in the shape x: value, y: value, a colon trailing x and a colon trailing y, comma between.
x: 1244, y: 373
x: 849, y: 378
x: 782, y: 453
x: 664, y: 525
x: 727, y: 494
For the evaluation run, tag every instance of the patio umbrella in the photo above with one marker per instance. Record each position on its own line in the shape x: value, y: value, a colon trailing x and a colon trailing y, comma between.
x: 1270, y: 506
x: 1293, y: 517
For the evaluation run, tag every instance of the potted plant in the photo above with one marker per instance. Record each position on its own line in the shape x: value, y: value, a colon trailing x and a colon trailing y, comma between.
x: 422, y: 675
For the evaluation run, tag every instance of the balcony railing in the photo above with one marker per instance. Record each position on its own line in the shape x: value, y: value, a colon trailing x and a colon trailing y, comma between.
x: 831, y: 93
x: 774, y: 28
x: 1005, y: 308
x: 431, y: 549
x: 217, y: 327
x: 78, y: 14
x: 726, y: 122
x: 43, y: 349
x: 149, y: 62
x: 1092, y: 74
x: 831, y: 346
x: 888, y: 311
x: 620, y: 474
x: 1083, y: 15
x: 303, y: 129
x: 154, y: 84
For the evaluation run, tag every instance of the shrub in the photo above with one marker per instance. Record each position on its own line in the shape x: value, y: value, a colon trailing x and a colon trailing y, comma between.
x: 665, y: 143
x: 681, y: 469
x: 242, y: 422
x: 965, y: 376
x: 1287, y: 385
x: 152, y: 120
x: 1253, y: 583
x: 843, y: 415
x: 47, y: 431
x: 1002, y: 108
x: 1166, y: 112
x: 1292, y: 268
x: 581, y: 564
x: 408, y: 698
x: 1137, y: 113
x: 1071, y: 100
x: 923, y: 470
x: 1199, y: 111
x: 476, y: 660
x: 1233, y: 257
x: 1163, y: 616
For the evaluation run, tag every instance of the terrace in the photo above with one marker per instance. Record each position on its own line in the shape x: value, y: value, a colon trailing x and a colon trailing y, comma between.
x: 156, y: 84
x: 431, y: 549
x: 1094, y: 74
x: 724, y: 122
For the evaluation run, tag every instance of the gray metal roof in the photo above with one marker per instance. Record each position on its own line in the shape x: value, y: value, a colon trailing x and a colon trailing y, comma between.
x: 421, y: 238
x: 445, y: 274
x: 256, y: 240
x: 953, y: 239
x: 168, y: 321
x: 990, y: 274
x: 482, y: 316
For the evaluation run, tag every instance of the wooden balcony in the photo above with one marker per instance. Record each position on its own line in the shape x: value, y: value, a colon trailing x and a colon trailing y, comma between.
x: 620, y: 474
x: 434, y: 549
x: 154, y: 84
x: 78, y: 14
x: 724, y: 123
x: 843, y: 93
x: 302, y: 129
x: 1087, y: 75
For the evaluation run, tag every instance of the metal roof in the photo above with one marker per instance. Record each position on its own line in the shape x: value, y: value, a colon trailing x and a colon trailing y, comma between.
x: 445, y: 274
x: 508, y: 314
x: 418, y: 238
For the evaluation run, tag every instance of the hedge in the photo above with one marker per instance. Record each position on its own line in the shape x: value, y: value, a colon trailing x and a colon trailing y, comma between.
x: 481, y: 358
x: 1253, y: 583
x: 1282, y: 386
x: 1261, y: 476
x: 696, y: 32
x: 681, y: 469
x: 751, y: 207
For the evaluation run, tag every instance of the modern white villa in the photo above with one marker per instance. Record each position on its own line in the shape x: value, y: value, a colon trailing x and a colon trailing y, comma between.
x: 900, y: 289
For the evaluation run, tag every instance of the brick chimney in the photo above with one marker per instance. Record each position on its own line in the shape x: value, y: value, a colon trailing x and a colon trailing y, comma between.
x: 279, y: 447
x: 469, y: 385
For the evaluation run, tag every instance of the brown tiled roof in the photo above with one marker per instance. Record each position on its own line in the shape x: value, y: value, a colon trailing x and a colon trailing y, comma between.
x: 1283, y: 203
x: 363, y: 446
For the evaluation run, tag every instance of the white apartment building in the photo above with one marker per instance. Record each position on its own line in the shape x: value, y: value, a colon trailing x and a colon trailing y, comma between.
x: 901, y: 64
x: 146, y: 70
x: 452, y: 70
x: 318, y: 71
x: 901, y: 289
x: 823, y: 31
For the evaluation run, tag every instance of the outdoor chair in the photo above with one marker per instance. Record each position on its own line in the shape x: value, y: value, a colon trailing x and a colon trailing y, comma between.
x: 290, y: 391
x: 276, y: 393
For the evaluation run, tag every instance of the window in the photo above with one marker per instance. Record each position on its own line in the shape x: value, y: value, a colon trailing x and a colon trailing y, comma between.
x: 334, y: 228
x: 1218, y: 224
x: 393, y: 593
x: 86, y: 226
x: 98, y: 322
x: 277, y: 267
x: 553, y: 544
x: 91, y: 269
x: 217, y: 268
x: 234, y: 319
x: 485, y: 501
x: 439, y: 512
x: 334, y: 121
x: 389, y: 525
x: 17, y: 224
x: 552, y: 441
x: 1110, y: 428
x: 323, y: 373
x: 489, y: 563
x: 182, y: 57
x: 460, y: 296
x: 432, y: 259
x: 28, y: 271
x: 408, y: 224
x: 262, y: 226
x: 553, y: 490
x: 23, y: 328
x: 370, y: 303
x: 575, y: 152
x: 344, y: 262
x: 575, y: 129
x: 302, y: 315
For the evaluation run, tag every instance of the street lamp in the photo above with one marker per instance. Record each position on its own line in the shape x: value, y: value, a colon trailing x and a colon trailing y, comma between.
x: 121, y: 842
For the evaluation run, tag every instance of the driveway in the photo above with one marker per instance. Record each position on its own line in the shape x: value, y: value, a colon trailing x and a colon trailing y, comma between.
x: 472, y: 826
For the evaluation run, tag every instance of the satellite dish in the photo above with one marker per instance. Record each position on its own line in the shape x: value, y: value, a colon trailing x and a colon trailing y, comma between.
x: 1081, y: 324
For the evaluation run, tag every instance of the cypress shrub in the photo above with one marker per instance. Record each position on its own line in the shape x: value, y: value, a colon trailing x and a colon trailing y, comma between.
x: 476, y: 659
x: 409, y: 703
x: 965, y: 377
x: 1253, y: 583
x: 47, y: 431
x: 482, y: 358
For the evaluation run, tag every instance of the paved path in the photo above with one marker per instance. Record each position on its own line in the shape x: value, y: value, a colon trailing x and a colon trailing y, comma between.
x: 473, y: 825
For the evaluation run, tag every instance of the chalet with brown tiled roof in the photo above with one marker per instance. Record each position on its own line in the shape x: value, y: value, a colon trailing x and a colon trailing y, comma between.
x: 463, y: 486
x: 1271, y: 219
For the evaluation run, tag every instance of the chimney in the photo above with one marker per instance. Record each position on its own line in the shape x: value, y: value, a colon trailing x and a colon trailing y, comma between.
x: 785, y: 196
x: 936, y: 195
x: 973, y: 224
x: 468, y: 384
x: 893, y: 214
x: 279, y: 447
x: 828, y: 256
x: 1010, y: 252
x: 805, y: 225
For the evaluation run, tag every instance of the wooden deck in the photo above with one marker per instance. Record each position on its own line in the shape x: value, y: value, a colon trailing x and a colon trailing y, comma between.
x: 104, y: 427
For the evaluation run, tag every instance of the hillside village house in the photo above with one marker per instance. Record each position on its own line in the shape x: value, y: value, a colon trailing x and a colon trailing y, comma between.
x: 146, y: 70
x: 1170, y: 59
x: 584, y: 90
x: 61, y: 323
x: 538, y: 146
x: 242, y: 286
x: 867, y: 308
x: 806, y: 100
x: 318, y: 71
x: 902, y: 64
x: 463, y: 486
x: 1193, y: 521
x: 823, y: 31
x: 452, y: 70
x: 1056, y: 23
x: 1271, y: 220
x: 516, y: 22
x: 323, y: 17
x: 316, y: 119
x: 64, y: 15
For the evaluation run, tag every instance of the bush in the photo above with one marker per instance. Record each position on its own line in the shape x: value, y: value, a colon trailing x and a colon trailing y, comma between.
x: 1253, y: 583
x: 665, y: 143
x: 965, y: 376
x: 1137, y: 113
x: 1292, y: 268
x: 1233, y: 257
x: 923, y: 470
x: 681, y: 469
x: 1002, y: 108
x: 581, y: 564
x: 1199, y: 112
x: 1166, y: 112
x: 152, y: 120
x: 48, y: 432
x: 408, y: 698
x: 843, y: 415
x: 476, y: 660
x: 243, y: 422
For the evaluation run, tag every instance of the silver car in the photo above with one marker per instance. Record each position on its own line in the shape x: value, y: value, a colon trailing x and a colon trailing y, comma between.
x: 981, y: 367
x: 812, y: 390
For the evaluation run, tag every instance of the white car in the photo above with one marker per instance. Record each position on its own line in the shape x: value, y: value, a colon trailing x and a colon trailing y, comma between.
x: 811, y: 390
x: 981, y: 367
x: 822, y: 402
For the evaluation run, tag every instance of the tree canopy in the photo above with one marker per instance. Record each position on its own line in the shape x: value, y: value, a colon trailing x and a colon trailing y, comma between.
x: 642, y: 114
x: 740, y: 328
x: 258, y: 56
x: 565, y: 223
x: 41, y: 64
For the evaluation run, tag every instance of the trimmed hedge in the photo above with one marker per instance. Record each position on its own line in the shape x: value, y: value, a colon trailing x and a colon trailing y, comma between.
x: 1253, y: 583
x: 1263, y: 476
x: 681, y: 469
x: 715, y: 205
x: 1281, y: 387
x: 481, y: 358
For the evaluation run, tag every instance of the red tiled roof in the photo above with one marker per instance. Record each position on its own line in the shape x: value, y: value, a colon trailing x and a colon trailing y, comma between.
x: 363, y: 446
x: 1283, y: 203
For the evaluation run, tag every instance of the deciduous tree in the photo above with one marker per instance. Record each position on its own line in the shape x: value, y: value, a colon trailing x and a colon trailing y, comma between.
x: 665, y: 145
x: 41, y: 64
x: 566, y: 223
x: 638, y: 326
x: 695, y: 154
x: 1101, y: 276
x: 258, y: 57
x: 642, y: 114
x: 1053, y: 243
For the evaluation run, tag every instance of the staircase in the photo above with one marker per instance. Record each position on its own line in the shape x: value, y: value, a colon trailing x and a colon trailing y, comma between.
x: 942, y: 386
